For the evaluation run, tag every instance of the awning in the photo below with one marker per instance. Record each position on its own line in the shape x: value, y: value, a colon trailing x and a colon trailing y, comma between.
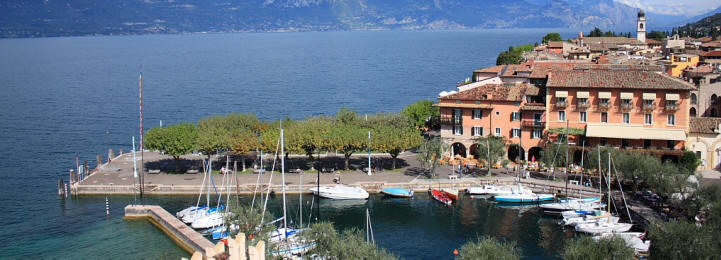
x: 561, y: 93
x: 604, y: 94
x: 582, y: 94
x: 626, y: 95
x: 670, y: 96
x: 634, y: 132
x: 649, y: 96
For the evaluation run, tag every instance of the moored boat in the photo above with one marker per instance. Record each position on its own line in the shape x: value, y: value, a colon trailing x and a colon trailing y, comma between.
x: 397, y: 192
x: 441, y: 197
x: 603, y: 227
x: 452, y: 194
x: 340, y: 192
x: 524, y: 198
x: 634, y: 240
x: 489, y: 190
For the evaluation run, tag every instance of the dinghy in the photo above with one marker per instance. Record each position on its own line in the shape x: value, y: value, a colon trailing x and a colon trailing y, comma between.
x: 452, y: 194
x: 441, y: 197
x: 340, y: 192
x: 397, y: 192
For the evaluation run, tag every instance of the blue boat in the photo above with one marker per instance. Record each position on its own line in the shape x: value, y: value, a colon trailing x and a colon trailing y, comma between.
x: 397, y: 192
x: 524, y: 198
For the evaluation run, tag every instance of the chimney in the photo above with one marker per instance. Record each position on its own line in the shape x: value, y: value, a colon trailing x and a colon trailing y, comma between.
x: 580, y: 39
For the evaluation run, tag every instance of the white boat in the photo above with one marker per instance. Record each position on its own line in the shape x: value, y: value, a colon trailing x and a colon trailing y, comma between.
x: 523, y: 195
x: 209, y: 221
x: 558, y: 207
x: 489, y: 190
x: 190, y: 210
x: 277, y: 235
x: 634, y: 240
x: 589, y: 219
x: 577, y: 213
x: 340, y: 192
x: 201, y: 213
x: 292, y: 248
x: 603, y: 227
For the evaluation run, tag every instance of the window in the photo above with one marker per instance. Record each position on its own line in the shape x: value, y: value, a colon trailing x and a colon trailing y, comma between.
x: 626, y: 102
x: 477, y: 131
x: 498, y: 131
x: 646, y: 144
x: 694, y: 99
x: 516, y: 132
x: 582, y: 116
x: 698, y: 154
x: 671, y: 144
x: 562, y: 116
x: 457, y: 113
x: 604, y: 117
x: 671, y: 119
x: 458, y: 130
x: 476, y: 113
x: 604, y: 101
x: 648, y: 119
x: 648, y: 103
x: 536, y: 134
x: 624, y: 143
x: 670, y: 102
x: 582, y: 101
x: 626, y: 118
x: 604, y: 141
x: 692, y: 112
x: 515, y: 116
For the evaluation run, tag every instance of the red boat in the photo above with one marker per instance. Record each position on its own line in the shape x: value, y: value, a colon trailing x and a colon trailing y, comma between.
x: 452, y: 194
x: 441, y: 197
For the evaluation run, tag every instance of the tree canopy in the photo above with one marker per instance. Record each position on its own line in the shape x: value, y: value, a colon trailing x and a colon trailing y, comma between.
x: 420, y: 112
x: 175, y: 140
x: 490, y: 149
x: 488, y: 248
x: 552, y: 37
x: 606, y: 248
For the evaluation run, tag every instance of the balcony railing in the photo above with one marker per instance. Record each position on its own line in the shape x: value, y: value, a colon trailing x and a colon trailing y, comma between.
x: 449, y: 120
x: 626, y: 106
x: 649, y: 107
x: 561, y: 104
x: 671, y: 107
x: 604, y: 106
x: 533, y: 123
x: 582, y: 105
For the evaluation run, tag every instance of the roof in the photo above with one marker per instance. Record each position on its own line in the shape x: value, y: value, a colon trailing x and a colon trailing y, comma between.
x: 711, y: 54
x: 653, y: 42
x: 495, y: 92
x: 614, y: 40
x: 494, y: 69
x: 615, y: 76
x: 704, y: 125
x: 510, y: 70
x: 555, y: 44
x: 541, y: 69
x: 711, y: 44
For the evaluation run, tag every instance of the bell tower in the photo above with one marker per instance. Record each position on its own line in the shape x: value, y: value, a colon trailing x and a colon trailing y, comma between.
x: 641, y: 26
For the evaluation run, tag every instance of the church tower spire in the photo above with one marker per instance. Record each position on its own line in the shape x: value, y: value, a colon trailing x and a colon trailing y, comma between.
x: 641, y: 26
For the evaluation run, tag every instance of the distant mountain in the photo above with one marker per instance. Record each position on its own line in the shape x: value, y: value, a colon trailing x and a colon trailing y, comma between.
x: 702, y: 16
x: 22, y: 18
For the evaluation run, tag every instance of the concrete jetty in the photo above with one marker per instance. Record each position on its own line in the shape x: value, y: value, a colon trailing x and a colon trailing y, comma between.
x: 187, y: 238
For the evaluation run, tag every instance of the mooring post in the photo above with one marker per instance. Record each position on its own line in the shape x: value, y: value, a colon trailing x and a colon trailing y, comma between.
x: 107, y: 206
x: 66, y: 190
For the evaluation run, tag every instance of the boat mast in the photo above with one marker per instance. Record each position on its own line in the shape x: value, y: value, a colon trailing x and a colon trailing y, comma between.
x: 566, y: 169
x: 282, y: 169
x: 608, y: 180
x: 600, y: 173
x: 583, y: 149
x: 300, y: 199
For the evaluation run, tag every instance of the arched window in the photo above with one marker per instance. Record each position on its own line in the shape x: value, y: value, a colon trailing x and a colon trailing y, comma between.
x: 692, y: 112
x: 640, y: 25
x: 694, y: 99
x: 713, y: 112
x: 713, y: 99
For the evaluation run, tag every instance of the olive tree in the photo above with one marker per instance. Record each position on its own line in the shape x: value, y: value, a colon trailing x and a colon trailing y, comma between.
x: 349, y: 244
x: 430, y: 152
x: 605, y: 248
x: 491, y: 149
x: 488, y: 248
x: 175, y: 140
x: 681, y: 240
x: 393, y: 140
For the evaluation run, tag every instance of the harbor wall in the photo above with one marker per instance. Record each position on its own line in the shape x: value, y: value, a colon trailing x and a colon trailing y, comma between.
x: 187, y: 238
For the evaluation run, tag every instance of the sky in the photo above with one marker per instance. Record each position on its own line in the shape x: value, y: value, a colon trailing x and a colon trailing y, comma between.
x: 674, y: 7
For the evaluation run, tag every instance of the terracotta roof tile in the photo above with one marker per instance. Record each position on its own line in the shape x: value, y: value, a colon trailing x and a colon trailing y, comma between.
x: 495, y: 92
x: 556, y: 44
x: 612, y: 40
x: 494, y: 69
x: 711, y: 54
x: 615, y: 76
x: 704, y: 125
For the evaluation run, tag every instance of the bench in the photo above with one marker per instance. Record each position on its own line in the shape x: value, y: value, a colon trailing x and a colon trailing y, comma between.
x: 327, y: 170
x: 192, y: 171
x: 153, y: 171
x: 453, y: 177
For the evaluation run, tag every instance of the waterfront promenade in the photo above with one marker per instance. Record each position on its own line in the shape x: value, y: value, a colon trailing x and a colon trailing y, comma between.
x: 116, y: 178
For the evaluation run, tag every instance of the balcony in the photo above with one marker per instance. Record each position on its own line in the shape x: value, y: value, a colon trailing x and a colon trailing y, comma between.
x: 533, y: 124
x: 582, y: 105
x: 649, y: 107
x: 626, y: 107
x: 449, y: 120
x: 604, y: 106
x: 671, y: 107
x: 561, y: 104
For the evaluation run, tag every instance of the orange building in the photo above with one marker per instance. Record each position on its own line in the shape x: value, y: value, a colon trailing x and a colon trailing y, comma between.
x: 623, y: 106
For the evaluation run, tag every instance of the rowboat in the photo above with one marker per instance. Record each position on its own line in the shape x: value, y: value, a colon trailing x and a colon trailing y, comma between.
x: 441, y: 197
x: 452, y: 194
x: 397, y: 192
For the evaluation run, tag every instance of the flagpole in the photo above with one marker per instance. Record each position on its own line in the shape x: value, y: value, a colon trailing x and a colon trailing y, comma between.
x: 135, y: 173
x: 142, y: 173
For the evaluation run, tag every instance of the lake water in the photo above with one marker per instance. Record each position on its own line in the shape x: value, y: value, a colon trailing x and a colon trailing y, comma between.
x: 66, y: 96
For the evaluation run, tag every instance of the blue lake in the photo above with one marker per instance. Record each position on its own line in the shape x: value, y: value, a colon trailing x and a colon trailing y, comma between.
x: 65, y: 96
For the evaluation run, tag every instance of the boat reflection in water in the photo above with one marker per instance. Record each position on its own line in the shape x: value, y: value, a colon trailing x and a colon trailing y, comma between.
x: 342, y: 204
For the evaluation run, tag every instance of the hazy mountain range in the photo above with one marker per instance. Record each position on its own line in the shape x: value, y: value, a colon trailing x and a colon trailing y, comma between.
x: 103, y: 17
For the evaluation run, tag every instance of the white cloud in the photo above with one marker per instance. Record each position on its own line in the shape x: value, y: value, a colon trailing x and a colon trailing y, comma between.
x: 674, y: 7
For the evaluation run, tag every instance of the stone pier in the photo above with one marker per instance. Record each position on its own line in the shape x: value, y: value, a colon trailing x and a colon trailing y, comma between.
x: 187, y: 238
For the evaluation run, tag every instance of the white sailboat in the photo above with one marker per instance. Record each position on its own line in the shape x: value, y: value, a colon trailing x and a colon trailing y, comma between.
x: 489, y: 190
x: 201, y: 213
x: 340, y: 192
x: 192, y: 209
x: 523, y: 195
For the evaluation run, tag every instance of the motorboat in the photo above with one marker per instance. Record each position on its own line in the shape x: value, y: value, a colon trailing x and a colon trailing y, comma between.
x: 589, y: 219
x: 603, y: 227
x: 524, y: 198
x: 577, y: 213
x: 397, y: 192
x: 634, y: 240
x: 489, y: 190
x: 441, y: 197
x: 558, y: 207
x: 340, y: 192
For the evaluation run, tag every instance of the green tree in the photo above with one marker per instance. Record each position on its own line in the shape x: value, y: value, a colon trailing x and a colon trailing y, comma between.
x: 657, y: 35
x: 250, y: 221
x: 243, y: 141
x: 554, y: 155
x: 593, y: 158
x: 596, y: 32
x: 420, y: 112
x: 392, y: 140
x: 307, y: 136
x: 346, y: 138
x: 636, y: 167
x: 681, y: 240
x: 489, y: 248
x: 175, y: 140
x: 491, y: 149
x: 350, y: 244
x: 509, y: 57
x: 689, y: 161
x: 430, y: 152
x: 552, y: 37
x: 702, y: 199
x: 606, y: 248
x: 213, y: 135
